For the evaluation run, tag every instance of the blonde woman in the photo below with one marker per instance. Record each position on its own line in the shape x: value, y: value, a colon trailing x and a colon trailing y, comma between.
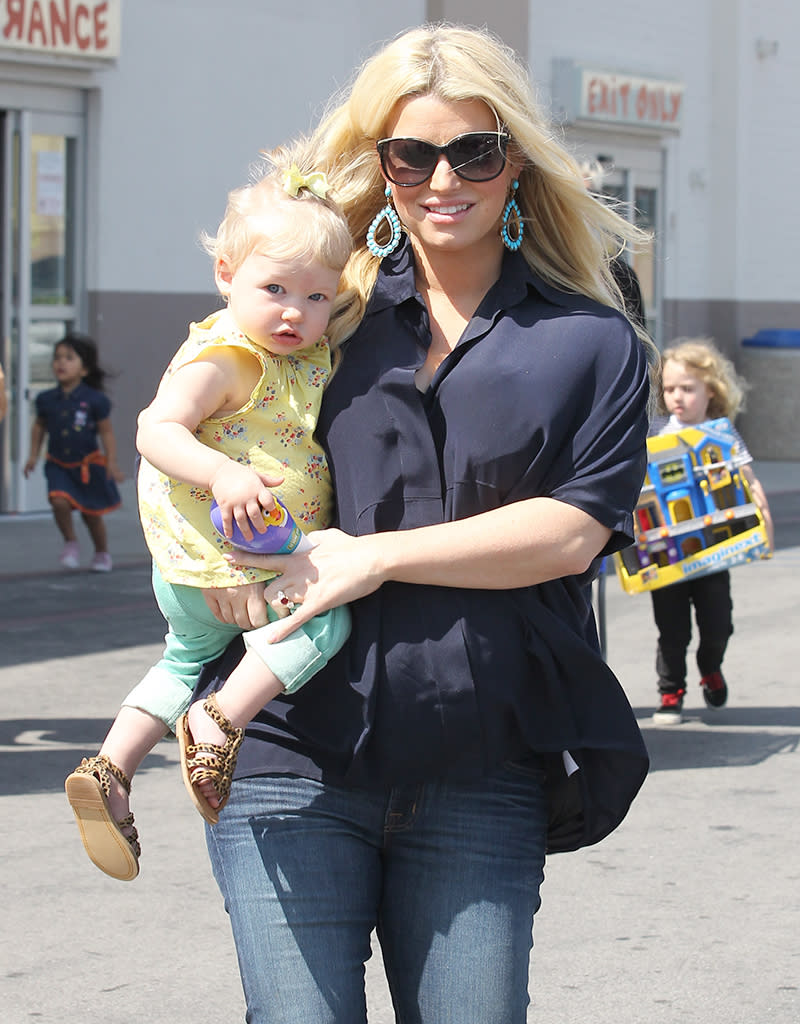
x: 486, y: 433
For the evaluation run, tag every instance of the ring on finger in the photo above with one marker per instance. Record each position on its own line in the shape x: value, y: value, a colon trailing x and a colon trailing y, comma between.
x: 284, y: 600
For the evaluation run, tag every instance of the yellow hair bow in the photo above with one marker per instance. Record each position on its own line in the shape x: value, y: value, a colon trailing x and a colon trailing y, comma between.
x: 294, y: 180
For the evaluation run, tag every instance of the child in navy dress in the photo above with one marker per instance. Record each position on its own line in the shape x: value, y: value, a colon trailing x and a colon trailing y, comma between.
x: 81, y: 462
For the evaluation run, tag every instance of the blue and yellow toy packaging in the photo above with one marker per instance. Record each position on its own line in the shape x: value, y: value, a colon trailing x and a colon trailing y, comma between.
x: 695, y: 514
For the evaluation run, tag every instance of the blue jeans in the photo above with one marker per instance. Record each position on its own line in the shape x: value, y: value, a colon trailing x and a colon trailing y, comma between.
x: 448, y: 873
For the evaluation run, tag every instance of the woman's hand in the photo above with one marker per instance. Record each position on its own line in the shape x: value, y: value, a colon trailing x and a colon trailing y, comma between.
x: 517, y: 545
x: 239, y: 606
x: 337, y: 569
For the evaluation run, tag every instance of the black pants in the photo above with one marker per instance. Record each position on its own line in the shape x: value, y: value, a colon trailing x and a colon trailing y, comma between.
x: 713, y: 611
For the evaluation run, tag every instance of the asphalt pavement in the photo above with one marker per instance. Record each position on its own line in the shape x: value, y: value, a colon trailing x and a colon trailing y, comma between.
x: 687, y: 913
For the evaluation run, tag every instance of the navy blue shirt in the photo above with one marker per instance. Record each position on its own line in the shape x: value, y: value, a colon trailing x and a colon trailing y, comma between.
x: 544, y: 395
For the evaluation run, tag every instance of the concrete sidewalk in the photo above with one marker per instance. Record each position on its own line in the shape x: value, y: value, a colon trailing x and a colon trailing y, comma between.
x: 688, y: 912
x: 31, y: 543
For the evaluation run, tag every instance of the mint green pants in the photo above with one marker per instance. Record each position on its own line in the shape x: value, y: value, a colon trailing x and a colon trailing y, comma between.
x: 195, y: 637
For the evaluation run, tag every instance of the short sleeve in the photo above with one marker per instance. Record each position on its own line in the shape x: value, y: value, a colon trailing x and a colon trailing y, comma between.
x: 601, y: 463
x: 101, y: 406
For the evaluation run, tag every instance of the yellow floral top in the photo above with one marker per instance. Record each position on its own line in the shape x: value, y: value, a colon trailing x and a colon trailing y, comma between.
x: 273, y: 432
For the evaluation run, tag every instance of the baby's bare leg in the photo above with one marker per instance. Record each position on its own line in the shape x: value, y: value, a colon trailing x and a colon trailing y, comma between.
x: 130, y: 739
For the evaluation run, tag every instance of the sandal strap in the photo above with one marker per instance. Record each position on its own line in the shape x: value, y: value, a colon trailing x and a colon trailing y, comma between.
x: 214, y: 762
x: 216, y: 714
x: 133, y: 835
x: 102, y: 766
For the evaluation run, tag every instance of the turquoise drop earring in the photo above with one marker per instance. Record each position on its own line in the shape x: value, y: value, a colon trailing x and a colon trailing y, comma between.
x: 512, y: 210
x: 388, y: 214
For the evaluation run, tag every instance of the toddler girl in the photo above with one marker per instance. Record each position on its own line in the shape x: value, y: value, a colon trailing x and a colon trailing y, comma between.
x: 698, y: 384
x: 233, y: 419
x: 75, y: 418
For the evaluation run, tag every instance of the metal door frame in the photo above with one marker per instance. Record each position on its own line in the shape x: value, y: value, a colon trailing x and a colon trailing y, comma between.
x: 18, y: 313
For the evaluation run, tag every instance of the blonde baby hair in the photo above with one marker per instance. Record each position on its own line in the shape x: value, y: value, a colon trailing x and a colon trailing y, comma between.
x: 316, y: 230
x: 701, y: 356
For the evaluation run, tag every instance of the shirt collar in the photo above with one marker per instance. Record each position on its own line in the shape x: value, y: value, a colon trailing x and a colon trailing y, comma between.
x: 395, y: 284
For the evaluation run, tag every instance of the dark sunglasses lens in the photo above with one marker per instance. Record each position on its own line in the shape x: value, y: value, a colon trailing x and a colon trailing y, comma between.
x: 477, y: 157
x: 408, y: 161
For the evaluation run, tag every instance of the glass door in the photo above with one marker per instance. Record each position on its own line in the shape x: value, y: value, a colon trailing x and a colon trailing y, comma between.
x: 638, y: 195
x: 41, y: 287
x: 633, y: 176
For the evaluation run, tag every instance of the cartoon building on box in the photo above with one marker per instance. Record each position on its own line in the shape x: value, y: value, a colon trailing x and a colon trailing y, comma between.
x: 695, y: 514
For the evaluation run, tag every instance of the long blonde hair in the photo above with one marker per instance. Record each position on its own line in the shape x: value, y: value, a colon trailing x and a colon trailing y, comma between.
x: 570, y: 235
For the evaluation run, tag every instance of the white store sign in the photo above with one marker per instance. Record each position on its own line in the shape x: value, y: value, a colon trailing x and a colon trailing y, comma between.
x: 588, y: 94
x: 75, y: 28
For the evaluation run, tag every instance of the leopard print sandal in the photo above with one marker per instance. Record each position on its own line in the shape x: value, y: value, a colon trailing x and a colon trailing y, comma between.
x: 112, y: 845
x: 209, y: 762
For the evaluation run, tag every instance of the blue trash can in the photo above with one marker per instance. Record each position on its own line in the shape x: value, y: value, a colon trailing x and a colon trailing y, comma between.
x: 773, y: 338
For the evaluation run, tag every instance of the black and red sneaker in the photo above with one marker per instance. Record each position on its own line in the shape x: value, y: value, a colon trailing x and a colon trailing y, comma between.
x: 670, y: 711
x: 715, y: 689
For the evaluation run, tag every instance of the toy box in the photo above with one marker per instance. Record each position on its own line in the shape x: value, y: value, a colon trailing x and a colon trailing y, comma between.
x: 695, y: 514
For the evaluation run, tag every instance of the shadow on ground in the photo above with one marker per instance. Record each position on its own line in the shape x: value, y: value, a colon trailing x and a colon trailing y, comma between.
x: 50, y: 616
x: 39, y: 753
x: 736, y: 737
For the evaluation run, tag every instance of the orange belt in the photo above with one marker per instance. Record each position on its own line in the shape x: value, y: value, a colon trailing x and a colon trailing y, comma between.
x: 95, y: 457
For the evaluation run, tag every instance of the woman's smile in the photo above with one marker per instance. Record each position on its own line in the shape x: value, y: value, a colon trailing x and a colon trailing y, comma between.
x: 448, y: 210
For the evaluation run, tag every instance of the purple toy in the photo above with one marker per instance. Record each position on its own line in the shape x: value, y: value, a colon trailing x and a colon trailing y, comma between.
x: 282, y: 535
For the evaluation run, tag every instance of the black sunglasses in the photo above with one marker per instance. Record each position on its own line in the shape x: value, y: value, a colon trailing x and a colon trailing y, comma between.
x: 474, y: 156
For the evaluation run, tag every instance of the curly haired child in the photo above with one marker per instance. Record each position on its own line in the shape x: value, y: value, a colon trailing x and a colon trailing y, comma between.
x: 698, y: 384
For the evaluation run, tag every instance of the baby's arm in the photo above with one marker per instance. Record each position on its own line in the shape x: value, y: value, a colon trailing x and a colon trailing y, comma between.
x: 165, y: 437
x: 760, y: 498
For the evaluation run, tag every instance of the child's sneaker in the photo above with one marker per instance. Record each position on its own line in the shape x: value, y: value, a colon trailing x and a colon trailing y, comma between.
x: 70, y: 555
x: 102, y: 562
x: 715, y: 689
x: 671, y: 710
